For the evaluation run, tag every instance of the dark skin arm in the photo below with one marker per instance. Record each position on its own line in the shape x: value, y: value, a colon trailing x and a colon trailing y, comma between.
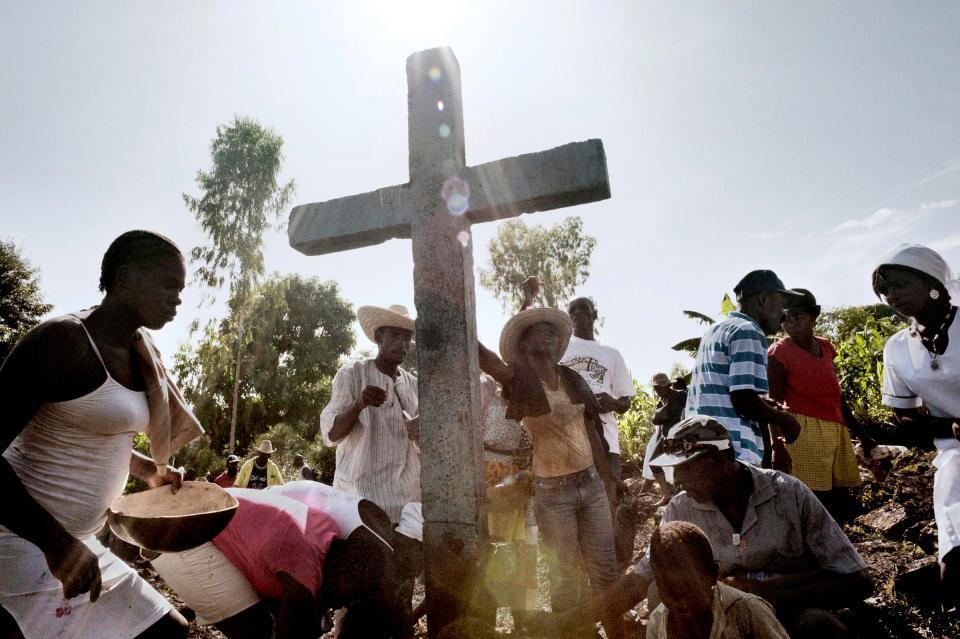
x: 918, y: 425
x: 53, y: 363
x: 344, y: 422
x: 609, y: 403
x: 814, y: 589
x: 33, y: 374
x: 777, y: 379
x: 750, y: 405
x: 297, y: 616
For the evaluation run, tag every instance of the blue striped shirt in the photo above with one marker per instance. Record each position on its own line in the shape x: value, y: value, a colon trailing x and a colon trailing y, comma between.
x: 732, y: 356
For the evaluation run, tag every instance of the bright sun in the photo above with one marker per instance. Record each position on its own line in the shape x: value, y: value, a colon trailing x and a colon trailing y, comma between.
x: 415, y: 19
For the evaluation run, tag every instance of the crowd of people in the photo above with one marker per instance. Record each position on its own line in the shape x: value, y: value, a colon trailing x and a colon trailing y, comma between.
x: 751, y: 459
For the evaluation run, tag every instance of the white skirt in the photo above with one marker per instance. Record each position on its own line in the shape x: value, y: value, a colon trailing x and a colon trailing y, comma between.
x: 946, y: 499
x: 127, y: 606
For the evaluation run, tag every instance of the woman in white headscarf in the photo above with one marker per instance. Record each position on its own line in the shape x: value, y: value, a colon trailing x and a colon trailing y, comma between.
x: 921, y: 379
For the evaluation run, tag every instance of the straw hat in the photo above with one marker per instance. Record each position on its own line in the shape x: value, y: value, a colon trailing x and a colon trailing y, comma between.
x: 660, y: 379
x: 516, y: 325
x: 266, y: 447
x: 373, y: 317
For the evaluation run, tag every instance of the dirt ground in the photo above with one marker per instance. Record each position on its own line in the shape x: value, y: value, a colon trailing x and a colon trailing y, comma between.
x: 888, y: 614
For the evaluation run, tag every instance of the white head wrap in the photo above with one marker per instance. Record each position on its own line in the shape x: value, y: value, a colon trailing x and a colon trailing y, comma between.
x: 411, y: 521
x: 925, y: 260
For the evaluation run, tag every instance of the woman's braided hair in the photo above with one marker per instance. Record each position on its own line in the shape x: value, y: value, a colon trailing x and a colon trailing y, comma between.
x: 134, y: 247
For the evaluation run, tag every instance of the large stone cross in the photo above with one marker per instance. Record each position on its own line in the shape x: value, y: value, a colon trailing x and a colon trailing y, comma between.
x: 436, y: 208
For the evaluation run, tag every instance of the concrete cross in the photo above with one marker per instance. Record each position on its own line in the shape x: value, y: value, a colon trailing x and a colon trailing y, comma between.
x: 436, y: 208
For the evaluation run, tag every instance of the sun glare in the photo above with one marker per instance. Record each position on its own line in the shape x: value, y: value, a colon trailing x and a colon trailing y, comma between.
x: 416, y: 19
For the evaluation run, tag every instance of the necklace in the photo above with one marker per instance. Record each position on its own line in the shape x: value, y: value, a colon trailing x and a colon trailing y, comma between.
x: 930, y: 343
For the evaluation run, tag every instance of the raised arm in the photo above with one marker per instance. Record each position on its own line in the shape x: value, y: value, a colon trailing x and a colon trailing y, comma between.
x: 492, y: 365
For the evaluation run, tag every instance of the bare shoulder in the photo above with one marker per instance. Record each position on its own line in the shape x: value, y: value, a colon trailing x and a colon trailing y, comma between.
x: 50, y: 353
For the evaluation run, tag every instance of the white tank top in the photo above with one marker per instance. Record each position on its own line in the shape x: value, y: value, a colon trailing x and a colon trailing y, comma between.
x: 73, y: 457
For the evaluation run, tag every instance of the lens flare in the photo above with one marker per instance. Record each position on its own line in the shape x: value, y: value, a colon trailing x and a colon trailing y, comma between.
x: 464, y: 238
x: 435, y: 74
x: 444, y: 130
x: 439, y: 105
x: 456, y: 193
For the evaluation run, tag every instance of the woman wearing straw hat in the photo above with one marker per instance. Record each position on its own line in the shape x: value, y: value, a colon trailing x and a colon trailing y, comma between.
x: 921, y: 380
x: 573, y: 486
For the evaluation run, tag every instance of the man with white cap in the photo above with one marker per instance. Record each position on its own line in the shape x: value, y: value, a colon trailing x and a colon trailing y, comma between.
x: 369, y: 417
x: 730, y: 375
x: 259, y: 472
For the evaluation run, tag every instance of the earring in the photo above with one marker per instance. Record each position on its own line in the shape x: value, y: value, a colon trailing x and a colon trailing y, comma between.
x: 934, y: 294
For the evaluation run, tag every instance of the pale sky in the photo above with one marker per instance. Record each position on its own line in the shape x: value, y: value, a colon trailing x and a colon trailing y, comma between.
x: 805, y: 137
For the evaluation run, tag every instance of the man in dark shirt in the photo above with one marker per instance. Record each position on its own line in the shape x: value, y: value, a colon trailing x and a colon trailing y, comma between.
x: 227, y: 477
x: 670, y: 403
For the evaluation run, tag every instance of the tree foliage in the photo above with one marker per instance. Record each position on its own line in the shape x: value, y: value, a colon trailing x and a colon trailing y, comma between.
x: 636, y: 426
x: 297, y: 331
x: 21, y: 304
x: 241, y: 196
x: 560, y: 255
x: 860, y: 333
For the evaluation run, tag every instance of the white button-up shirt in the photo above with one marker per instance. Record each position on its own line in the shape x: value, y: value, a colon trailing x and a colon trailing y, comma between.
x: 376, y: 460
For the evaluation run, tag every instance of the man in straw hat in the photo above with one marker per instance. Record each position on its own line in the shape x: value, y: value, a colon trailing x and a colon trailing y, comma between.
x: 730, y: 374
x: 573, y: 485
x: 670, y: 403
x: 371, y: 416
x: 259, y: 472
x: 770, y: 535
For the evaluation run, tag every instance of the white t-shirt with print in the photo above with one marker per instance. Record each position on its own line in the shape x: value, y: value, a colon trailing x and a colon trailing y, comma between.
x: 604, y: 370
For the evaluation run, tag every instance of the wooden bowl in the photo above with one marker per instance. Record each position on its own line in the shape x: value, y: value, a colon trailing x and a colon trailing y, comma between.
x: 161, y: 521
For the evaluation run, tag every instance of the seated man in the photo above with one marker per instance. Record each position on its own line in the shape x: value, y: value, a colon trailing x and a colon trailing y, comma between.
x: 278, y: 555
x: 694, y: 604
x: 770, y: 534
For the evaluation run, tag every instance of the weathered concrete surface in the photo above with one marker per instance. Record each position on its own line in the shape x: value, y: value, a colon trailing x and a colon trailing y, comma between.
x: 435, y: 208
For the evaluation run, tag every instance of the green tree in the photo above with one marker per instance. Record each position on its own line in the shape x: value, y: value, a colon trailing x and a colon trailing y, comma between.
x: 636, y: 428
x: 21, y: 305
x: 297, y: 330
x: 560, y: 255
x: 240, y: 198
x: 860, y: 333
x: 838, y: 324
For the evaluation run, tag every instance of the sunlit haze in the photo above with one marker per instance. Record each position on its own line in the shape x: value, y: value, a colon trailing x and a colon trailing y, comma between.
x: 804, y: 137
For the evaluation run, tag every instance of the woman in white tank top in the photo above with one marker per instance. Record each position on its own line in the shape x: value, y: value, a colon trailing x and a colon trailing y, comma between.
x: 73, y: 398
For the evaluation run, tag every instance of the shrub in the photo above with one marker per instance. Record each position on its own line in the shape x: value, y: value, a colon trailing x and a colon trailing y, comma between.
x: 636, y: 428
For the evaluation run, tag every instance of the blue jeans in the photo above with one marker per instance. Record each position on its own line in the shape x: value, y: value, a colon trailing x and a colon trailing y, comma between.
x: 574, y: 517
x: 615, y: 466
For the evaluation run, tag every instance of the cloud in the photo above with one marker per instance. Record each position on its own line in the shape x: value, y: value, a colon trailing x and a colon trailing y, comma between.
x: 942, y: 204
x: 947, y: 243
x: 886, y: 221
x: 873, y: 220
x: 857, y: 242
x: 766, y: 236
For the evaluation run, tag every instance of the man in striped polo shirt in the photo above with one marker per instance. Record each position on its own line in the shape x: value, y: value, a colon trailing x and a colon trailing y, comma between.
x: 730, y: 374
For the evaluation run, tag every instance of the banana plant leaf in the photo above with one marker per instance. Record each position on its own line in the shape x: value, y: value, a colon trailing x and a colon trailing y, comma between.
x: 688, y: 345
x: 700, y: 317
